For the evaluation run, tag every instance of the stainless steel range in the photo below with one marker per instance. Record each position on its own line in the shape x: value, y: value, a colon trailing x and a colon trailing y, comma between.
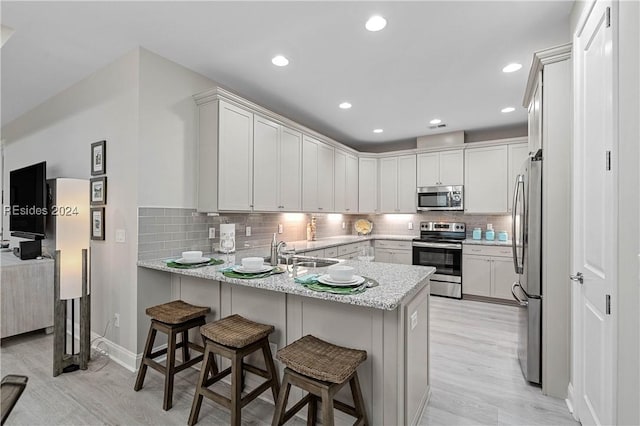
x: 440, y: 246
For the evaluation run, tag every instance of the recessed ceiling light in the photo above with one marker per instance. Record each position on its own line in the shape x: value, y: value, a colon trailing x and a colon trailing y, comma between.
x: 280, y: 61
x: 378, y: 130
x: 376, y: 23
x: 345, y: 105
x: 435, y: 121
x: 512, y: 67
x: 508, y: 109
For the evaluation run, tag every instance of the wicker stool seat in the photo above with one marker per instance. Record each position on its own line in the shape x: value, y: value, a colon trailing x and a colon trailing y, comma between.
x: 321, y: 369
x: 173, y: 318
x: 234, y: 337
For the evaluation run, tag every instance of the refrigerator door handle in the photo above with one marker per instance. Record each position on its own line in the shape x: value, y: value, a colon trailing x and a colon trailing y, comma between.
x: 515, y: 237
x: 513, y: 292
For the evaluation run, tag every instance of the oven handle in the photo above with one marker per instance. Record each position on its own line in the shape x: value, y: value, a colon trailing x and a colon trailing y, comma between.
x: 438, y: 245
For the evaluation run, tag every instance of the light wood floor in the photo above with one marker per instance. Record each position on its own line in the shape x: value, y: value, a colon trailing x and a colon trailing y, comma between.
x: 475, y: 380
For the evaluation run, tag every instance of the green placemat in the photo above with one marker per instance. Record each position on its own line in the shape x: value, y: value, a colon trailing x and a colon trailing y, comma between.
x: 230, y: 273
x: 212, y: 262
x: 310, y: 281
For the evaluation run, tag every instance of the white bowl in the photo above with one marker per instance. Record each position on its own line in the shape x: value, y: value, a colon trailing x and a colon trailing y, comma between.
x: 341, y: 272
x: 252, y: 262
x: 192, y: 255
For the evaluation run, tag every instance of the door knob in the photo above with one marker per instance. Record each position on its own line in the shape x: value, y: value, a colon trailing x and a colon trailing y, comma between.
x: 577, y: 277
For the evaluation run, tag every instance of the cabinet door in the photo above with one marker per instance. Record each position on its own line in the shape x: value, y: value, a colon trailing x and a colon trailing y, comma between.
x: 389, y: 185
x: 340, y: 181
x: 486, y: 180
x: 403, y: 257
x: 406, y: 198
x: 290, y: 170
x: 351, y: 191
x: 235, y: 160
x: 266, y: 134
x: 367, y: 185
x: 518, y: 154
x: 452, y: 167
x: 503, y: 276
x: 384, y: 255
x: 428, y: 173
x: 325, y: 178
x: 309, y: 174
x: 476, y: 275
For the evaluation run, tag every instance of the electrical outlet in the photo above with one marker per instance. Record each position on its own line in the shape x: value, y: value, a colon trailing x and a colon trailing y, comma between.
x: 410, y: 226
x: 116, y: 320
x: 344, y: 225
x: 280, y: 228
x: 247, y: 231
x: 212, y: 232
x: 414, y: 320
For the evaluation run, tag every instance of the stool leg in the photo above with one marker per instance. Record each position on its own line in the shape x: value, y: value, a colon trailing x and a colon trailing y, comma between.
x: 185, y: 346
x: 148, y: 347
x: 271, y: 368
x: 358, y: 401
x: 312, y: 412
x: 202, y: 378
x: 171, y: 364
x: 281, y: 405
x: 236, y: 389
x: 327, y: 408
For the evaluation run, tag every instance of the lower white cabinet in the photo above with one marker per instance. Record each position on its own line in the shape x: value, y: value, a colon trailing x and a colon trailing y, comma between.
x: 389, y: 251
x: 488, y: 271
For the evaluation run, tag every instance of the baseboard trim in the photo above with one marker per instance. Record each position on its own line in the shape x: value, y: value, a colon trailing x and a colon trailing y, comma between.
x: 569, y: 401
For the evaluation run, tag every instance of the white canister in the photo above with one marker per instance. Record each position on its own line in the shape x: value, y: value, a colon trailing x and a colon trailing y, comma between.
x: 227, y: 232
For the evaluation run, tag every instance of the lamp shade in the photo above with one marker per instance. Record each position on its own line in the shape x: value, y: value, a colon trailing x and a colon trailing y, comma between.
x: 72, y: 232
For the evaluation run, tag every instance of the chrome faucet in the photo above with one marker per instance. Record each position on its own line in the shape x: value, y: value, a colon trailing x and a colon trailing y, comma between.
x: 275, y: 250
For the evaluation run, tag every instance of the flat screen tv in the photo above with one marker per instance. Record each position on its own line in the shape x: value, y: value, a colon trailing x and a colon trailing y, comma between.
x: 28, y: 201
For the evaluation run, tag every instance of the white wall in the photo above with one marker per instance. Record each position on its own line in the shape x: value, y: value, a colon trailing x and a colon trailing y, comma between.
x: 167, y: 173
x: 60, y: 131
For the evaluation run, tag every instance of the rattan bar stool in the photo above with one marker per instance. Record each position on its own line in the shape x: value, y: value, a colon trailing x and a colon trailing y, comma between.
x: 321, y: 369
x: 234, y: 337
x: 171, y: 318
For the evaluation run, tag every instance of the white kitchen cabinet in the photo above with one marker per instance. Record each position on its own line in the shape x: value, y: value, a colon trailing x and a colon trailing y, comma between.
x: 389, y: 251
x: 345, y: 182
x: 277, y: 166
x: 486, y: 179
x: 397, y: 187
x: 367, y: 185
x: 518, y: 153
x: 317, y: 176
x: 488, y: 271
x: 440, y: 168
x: 235, y: 158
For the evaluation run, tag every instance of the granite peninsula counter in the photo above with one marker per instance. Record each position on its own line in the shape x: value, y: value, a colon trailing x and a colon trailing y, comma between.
x: 390, y: 322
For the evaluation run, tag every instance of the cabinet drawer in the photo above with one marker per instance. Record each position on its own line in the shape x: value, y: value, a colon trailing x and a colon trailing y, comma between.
x: 348, y: 248
x: 393, y: 244
x: 331, y: 252
x: 480, y: 250
x: 314, y: 253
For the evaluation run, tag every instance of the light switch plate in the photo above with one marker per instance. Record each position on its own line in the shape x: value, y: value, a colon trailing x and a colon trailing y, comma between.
x: 414, y: 320
x: 280, y: 228
x: 212, y: 232
x: 247, y: 231
x: 410, y: 226
x: 121, y: 236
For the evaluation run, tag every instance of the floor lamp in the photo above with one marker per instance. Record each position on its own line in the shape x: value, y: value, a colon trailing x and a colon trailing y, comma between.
x: 71, y: 279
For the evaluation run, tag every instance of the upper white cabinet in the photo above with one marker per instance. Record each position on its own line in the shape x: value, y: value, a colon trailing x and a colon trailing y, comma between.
x: 367, y: 185
x: 486, y: 179
x: 235, y: 158
x: 277, y: 167
x: 397, y: 187
x: 518, y: 154
x: 440, y: 168
x: 317, y: 176
x: 345, y: 182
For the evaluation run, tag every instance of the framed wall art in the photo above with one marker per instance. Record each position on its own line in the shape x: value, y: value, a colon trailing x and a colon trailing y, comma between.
x: 98, y: 158
x: 98, y: 188
x: 97, y: 223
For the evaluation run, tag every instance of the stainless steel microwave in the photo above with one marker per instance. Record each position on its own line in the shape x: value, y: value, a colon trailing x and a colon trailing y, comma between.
x: 440, y: 198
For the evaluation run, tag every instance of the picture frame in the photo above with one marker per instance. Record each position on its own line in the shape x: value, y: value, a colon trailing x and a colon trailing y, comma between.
x: 98, y: 158
x: 98, y: 191
x: 97, y: 223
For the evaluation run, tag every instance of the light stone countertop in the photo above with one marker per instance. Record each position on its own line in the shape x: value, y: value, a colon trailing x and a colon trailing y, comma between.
x: 397, y: 282
x: 470, y: 241
x: 323, y: 243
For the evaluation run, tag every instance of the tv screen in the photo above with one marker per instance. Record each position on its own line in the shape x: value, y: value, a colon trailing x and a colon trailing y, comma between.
x: 28, y: 201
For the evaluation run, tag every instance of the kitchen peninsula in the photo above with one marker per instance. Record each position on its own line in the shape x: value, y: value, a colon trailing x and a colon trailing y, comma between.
x: 390, y: 322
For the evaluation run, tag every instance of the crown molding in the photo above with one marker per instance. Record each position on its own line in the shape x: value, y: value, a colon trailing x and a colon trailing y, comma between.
x: 541, y: 58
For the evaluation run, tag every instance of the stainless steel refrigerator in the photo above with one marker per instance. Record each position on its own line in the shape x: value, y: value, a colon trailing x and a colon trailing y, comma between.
x: 527, y: 261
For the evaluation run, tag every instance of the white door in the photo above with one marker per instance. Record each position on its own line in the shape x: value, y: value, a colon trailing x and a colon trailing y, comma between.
x: 290, y: 170
x: 309, y: 174
x: 428, y: 169
x: 340, y: 181
x: 367, y: 185
x: 407, y: 184
x: 594, y: 219
x: 265, y: 164
x: 352, y: 184
x: 485, y: 178
x: 325, y: 178
x: 389, y: 185
x: 452, y: 167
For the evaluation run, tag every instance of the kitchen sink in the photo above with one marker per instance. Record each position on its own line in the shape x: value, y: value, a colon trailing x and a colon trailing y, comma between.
x: 320, y: 262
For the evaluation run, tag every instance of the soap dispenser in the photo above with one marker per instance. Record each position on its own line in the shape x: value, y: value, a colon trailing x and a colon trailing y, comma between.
x: 490, y: 234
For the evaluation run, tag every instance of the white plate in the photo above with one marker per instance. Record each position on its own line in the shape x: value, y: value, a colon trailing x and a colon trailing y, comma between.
x: 242, y: 270
x: 184, y: 261
x: 326, y: 279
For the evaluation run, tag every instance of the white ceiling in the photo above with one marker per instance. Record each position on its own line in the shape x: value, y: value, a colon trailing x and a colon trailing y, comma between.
x: 434, y: 59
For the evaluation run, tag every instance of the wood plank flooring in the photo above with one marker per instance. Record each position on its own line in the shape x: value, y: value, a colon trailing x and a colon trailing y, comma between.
x: 475, y: 380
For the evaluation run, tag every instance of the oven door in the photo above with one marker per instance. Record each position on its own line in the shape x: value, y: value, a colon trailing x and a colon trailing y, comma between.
x: 447, y: 259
